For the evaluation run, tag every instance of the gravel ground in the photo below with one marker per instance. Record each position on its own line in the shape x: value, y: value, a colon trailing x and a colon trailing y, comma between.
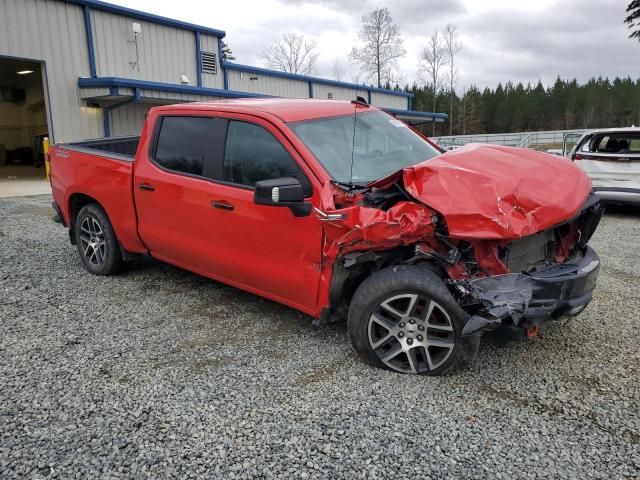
x: 161, y: 373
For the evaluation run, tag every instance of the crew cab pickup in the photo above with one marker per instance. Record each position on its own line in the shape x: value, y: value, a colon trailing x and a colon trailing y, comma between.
x: 341, y: 211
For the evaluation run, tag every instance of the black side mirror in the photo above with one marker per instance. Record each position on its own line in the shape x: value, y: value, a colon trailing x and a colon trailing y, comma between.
x: 282, y: 192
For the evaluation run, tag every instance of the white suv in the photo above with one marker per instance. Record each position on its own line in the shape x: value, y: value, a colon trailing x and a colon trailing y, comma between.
x: 611, y: 157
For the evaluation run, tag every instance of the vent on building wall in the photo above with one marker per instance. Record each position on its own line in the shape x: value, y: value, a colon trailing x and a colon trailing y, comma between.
x: 209, y: 62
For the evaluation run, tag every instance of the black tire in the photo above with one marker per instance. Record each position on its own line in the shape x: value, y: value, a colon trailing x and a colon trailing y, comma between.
x: 433, y: 344
x: 97, y: 243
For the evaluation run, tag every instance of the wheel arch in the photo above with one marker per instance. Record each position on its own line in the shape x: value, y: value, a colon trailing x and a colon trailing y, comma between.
x: 350, y: 271
x: 76, y: 201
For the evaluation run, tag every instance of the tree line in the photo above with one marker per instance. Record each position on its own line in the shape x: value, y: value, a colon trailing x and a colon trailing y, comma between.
x: 567, y: 104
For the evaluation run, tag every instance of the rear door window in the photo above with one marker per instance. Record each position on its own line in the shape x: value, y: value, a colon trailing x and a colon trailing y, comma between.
x: 253, y: 154
x: 191, y: 145
x: 634, y: 145
x: 595, y: 144
x: 615, y: 143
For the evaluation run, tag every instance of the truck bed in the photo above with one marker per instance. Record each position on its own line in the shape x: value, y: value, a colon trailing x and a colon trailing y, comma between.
x: 122, y: 148
x: 101, y: 170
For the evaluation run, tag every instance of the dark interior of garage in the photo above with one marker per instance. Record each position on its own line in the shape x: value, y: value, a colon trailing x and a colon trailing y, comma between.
x: 23, y: 118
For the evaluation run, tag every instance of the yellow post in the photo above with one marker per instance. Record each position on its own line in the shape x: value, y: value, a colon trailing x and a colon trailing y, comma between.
x: 45, y: 149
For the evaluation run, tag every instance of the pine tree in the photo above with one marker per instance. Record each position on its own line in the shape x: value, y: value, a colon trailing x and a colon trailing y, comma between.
x: 227, y: 54
x: 566, y: 104
x: 633, y: 10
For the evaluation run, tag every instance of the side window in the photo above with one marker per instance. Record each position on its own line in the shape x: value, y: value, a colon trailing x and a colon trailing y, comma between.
x: 634, y: 145
x: 253, y: 154
x: 599, y: 144
x: 183, y: 144
x: 592, y: 144
x: 587, y: 147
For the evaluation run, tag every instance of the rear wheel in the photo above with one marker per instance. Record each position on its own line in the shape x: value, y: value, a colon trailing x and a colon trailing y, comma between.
x: 404, y: 319
x: 97, y: 242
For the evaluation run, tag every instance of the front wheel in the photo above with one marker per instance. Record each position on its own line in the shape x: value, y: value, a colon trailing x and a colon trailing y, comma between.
x: 97, y: 242
x: 403, y: 318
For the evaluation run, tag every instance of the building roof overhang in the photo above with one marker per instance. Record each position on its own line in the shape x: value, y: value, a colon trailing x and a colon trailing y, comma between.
x: 107, y: 92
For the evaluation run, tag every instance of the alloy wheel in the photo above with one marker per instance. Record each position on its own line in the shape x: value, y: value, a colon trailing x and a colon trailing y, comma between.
x: 92, y: 241
x: 411, y: 333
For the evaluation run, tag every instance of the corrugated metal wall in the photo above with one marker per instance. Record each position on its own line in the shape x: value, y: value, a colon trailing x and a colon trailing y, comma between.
x: 163, y: 52
x: 128, y: 119
x: 279, y: 87
x: 293, y: 88
x: 338, y: 93
x: 53, y: 32
x: 94, y: 92
x: 389, y: 101
x: 209, y: 43
x: 173, y: 96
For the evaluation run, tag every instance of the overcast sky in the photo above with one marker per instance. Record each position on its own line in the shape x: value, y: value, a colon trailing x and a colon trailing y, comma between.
x: 518, y: 40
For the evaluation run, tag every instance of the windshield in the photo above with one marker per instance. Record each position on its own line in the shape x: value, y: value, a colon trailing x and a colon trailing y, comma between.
x: 382, y: 145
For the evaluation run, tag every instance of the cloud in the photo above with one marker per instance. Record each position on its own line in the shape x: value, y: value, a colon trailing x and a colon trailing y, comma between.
x: 411, y: 15
x: 574, y: 39
x: 503, y: 40
x: 424, y: 16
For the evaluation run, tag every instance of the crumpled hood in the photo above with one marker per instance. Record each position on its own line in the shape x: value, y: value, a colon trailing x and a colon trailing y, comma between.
x: 495, y: 192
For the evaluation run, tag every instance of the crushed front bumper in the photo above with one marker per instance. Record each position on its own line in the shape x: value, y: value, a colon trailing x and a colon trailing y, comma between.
x: 523, y: 300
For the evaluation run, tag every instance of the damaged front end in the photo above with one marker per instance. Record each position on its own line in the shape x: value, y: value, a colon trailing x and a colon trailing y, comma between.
x: 510, y: 243
x: 555, y: 278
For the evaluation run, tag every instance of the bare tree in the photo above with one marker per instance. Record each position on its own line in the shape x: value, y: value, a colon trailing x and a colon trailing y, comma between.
x: 382, y: 46
x: 588, y: 116
x: 452, y: 48
x: 462, y: 112
x: 293, y: 53
x: 339, y: 70
x: 394, y: 79
x: 433, y: 59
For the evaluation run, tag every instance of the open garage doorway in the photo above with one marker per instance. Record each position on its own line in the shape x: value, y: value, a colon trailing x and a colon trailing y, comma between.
x: 23, y: 127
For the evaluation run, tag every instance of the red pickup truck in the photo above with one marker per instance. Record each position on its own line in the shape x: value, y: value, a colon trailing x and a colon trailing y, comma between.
x: 341, y: 211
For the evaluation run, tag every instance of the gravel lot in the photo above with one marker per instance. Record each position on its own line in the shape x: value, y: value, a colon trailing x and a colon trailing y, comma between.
x: 161, y: 373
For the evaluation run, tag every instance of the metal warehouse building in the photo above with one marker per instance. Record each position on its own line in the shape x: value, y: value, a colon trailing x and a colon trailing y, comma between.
x: 77, y: 69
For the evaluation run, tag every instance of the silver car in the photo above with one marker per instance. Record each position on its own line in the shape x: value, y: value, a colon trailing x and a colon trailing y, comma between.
x: 611, y: 157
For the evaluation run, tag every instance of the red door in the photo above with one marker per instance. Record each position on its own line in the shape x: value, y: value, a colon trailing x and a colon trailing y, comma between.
x: 195, y: 207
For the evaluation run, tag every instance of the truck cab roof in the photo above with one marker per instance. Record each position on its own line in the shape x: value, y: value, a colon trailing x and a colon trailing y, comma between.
x: 286, y: 109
